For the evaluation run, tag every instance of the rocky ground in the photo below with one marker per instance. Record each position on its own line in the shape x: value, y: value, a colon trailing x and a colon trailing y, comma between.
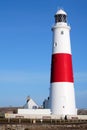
x: 43, y: 127
x: 16, y: 124
x: 82, y: 112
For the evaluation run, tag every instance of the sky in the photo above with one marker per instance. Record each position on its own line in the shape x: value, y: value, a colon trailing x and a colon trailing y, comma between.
x: 26, y: 48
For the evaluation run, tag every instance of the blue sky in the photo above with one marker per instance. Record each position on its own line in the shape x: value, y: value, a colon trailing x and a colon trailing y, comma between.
x: 26, y: 46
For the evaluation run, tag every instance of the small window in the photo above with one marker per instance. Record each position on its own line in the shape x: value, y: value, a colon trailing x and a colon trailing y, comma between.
x: 55, y: 44
x: 62, y: 32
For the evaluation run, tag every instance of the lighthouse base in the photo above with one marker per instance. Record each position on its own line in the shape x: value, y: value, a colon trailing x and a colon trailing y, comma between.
x: 62, y: 98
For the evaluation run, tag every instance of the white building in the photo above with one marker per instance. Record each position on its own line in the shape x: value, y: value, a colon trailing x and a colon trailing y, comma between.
x: 30, y: 104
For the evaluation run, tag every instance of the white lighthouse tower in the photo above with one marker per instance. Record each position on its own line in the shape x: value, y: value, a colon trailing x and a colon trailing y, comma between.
x: 62, y: 97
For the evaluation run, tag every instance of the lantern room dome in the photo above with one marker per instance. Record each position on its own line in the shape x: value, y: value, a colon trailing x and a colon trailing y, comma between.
x: 60, y: 11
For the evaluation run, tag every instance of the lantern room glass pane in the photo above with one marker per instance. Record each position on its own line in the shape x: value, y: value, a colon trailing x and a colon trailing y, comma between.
x: 60, y: 18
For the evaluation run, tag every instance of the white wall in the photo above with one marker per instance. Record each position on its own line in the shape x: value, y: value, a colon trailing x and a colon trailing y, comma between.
x: 34, y: 111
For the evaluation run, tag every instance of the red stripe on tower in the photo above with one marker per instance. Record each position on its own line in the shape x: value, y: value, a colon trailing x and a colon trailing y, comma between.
x: 61, y: 68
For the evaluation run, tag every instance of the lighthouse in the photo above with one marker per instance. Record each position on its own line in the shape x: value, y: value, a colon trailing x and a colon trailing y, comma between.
x: 62, y: 95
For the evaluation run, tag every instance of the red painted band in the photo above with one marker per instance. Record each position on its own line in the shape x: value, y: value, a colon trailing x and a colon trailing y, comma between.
x: 61, y: 68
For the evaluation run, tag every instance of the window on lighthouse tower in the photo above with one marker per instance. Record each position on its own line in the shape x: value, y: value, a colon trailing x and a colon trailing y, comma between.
x: 62, y: 32
x: 55, y: 44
